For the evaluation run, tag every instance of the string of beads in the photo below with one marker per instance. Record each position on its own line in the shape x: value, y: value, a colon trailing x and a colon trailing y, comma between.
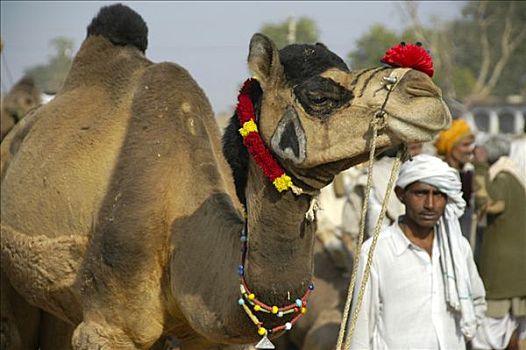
x: 250, y: 302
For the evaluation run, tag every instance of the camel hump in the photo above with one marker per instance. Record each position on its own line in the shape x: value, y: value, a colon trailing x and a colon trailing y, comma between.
x: 121, y: 25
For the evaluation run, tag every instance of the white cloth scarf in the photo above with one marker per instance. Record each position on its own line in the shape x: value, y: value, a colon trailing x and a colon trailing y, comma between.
x: 435, y: 172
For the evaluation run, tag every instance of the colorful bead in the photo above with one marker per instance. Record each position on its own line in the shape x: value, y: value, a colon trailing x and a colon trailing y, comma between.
x: 248, y: 299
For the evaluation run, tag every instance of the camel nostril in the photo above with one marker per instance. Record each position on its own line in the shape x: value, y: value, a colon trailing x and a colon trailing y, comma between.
x: 418, y: 84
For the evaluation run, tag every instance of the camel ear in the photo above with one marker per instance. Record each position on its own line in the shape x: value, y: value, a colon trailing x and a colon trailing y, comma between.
x: 263, y: 60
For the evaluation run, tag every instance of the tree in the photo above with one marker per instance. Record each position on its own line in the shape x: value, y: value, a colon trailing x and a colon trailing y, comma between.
x: 50, y: 77
x: 475, y: 56
x: 487, y: 58
x: 371, y: 47
x: 501, y: 34
x: 302, y: 30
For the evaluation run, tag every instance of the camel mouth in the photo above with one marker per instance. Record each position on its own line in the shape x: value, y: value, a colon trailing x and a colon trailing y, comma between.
x: 315, y: 178
x: 428, y: 115
x: 416, y: 129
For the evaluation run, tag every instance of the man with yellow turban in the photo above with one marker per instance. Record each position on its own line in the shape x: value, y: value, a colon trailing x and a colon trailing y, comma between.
x: 455, y: 145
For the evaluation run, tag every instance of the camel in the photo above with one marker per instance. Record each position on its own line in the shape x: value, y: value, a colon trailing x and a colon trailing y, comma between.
x: 23, y: 97
x: 122, y: 220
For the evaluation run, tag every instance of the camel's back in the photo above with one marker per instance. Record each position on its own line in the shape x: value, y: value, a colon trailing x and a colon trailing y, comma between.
x: 120, y: 125
x: 59, y: 172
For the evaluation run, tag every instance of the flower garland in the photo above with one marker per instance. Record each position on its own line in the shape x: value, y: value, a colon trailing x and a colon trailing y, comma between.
x: 248, y: 300
x: 410, y: 56
x: 252, y: 140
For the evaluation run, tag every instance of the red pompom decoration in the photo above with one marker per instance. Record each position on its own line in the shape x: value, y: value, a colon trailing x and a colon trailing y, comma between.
x: 409, y: 56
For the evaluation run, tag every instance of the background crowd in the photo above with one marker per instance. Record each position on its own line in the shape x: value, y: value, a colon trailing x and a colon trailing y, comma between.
x: 492, y: 172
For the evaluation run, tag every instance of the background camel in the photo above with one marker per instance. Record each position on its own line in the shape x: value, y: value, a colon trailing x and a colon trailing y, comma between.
x: 120, y: 218
x: 21, y: 98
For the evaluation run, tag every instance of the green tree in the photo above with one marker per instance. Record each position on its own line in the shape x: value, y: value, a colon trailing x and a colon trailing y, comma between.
x: 371, y: 47
x: 49, y: 77
x: 475, y: 56
x: 496, y: 53
x: 301, y: 30
x: 479, y: 54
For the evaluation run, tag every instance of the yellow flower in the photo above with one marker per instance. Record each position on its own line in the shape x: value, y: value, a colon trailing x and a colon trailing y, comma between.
x: 248, y: 127
x: 282, y: 183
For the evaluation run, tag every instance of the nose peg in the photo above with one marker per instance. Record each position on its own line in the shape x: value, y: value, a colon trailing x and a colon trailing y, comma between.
x: 390, y: 82
x: 390, y: 79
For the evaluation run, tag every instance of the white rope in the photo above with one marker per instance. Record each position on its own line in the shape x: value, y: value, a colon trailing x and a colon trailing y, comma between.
x: 343, y: 326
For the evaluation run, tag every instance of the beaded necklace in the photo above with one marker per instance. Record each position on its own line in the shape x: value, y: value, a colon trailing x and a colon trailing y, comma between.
x: 249, y: 300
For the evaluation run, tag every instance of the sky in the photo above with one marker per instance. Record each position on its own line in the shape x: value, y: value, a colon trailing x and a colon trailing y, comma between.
x: 209, y: 38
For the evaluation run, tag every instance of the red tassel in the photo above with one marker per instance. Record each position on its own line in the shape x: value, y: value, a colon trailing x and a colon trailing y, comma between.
x: 409, y: 56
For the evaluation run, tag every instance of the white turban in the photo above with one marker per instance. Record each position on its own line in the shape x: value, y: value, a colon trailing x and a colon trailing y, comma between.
x: 435, y: 172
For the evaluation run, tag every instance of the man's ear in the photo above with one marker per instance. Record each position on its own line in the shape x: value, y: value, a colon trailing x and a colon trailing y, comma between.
x: 400, y: 193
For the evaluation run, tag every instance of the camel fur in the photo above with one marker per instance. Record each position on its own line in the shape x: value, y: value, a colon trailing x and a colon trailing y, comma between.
x: 127, y: 204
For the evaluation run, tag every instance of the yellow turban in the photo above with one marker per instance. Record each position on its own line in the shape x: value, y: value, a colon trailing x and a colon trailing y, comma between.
x: 448, y: 138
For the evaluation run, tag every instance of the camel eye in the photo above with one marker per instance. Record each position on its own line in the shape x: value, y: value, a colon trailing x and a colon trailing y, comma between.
x: 320, y: 97
x: 317, y: 99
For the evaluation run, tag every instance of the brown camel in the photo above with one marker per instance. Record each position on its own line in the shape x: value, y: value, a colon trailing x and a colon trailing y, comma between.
x: 120, y: 218
x: 21, y: 98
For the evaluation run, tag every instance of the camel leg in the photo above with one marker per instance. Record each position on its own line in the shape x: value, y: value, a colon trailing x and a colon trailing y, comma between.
x: 19, y: 321
x: 90, y: 335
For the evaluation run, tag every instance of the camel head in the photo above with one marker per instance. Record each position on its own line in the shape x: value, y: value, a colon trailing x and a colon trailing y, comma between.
x: 314, y: 114
x: 23, y: 97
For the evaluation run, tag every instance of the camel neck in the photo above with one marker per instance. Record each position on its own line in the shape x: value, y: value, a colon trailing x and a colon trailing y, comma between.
x: 280, y: 240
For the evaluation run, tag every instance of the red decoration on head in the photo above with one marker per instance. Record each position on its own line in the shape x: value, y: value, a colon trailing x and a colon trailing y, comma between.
x: 409, y: 56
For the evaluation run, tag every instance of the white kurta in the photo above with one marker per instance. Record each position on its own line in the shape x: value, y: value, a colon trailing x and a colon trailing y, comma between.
x: 404, y: 305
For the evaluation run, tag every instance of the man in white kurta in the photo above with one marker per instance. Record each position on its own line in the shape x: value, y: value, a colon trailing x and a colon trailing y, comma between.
x: 407, y: 303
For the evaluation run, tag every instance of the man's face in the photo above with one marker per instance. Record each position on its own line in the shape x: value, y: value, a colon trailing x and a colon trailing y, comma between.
x: 424, y: 204
x: 463, y: 149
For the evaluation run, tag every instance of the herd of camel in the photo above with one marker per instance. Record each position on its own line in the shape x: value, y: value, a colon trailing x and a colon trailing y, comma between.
x: 124, y: 207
